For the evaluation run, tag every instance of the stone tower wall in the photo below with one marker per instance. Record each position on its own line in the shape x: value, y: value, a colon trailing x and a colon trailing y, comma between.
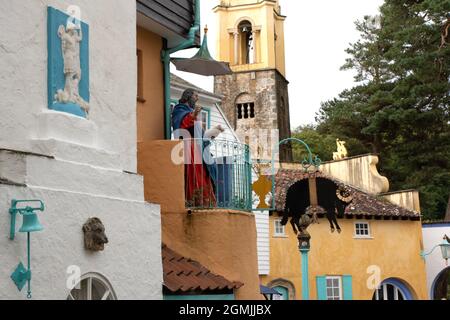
x: 268, y: 90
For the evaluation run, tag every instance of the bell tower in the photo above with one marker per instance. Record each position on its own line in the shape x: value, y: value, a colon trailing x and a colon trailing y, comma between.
x: 251, y: 39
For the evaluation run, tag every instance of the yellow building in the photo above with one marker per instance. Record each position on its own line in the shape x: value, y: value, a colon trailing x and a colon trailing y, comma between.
x: 380, y: 242
x: 259, y: 21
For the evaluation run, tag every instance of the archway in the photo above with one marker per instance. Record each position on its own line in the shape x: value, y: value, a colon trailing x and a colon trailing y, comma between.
x: 440, y: 290
x: 393, y: 289
x: 285, y: 287
x: 247, y: 42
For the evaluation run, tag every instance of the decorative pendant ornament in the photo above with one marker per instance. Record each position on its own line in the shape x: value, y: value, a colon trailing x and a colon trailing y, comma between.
x: 344, y: 194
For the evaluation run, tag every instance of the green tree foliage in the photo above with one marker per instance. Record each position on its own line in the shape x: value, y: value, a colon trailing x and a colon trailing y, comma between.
x: 400, y: 105
x: 321, y: 145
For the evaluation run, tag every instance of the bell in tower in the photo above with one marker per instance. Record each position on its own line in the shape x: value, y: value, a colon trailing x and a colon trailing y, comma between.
x: 251, y: 39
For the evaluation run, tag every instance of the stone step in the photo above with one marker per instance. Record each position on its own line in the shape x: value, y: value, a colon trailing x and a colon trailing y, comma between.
x: 66, y: 127
x: 62, y: 150
x: 46, y: 172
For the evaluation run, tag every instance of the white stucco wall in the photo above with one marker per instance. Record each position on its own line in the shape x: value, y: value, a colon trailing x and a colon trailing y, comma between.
x: 23, y: 77
x: 359, y: 171
x: 408, y: 199
x: 80, y: 173
x: 432, y: 235
x: 129, y: 262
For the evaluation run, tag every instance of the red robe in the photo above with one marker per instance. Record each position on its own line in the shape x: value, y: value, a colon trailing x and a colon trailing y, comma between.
x: 199, y: 189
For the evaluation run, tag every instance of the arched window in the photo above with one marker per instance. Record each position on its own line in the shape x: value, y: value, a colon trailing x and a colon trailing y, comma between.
x: 247, y: 42
x: 245, y: 110
x: 440, y: 290
x: 392, y: 289
x: 92, y: 286
x: 283, y: 291
x: 245, y: 107
x: 283, y: 286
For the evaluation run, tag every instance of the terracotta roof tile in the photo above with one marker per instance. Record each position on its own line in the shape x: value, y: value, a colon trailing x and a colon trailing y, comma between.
x: 363, y: 203
x: 183, y: 274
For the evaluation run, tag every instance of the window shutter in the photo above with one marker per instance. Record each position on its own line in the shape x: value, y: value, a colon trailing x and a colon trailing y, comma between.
x: 321, y: 283
x: 347, y: 284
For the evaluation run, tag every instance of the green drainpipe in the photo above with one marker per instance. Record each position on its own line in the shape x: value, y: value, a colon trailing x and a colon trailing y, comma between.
x: 166, y: 52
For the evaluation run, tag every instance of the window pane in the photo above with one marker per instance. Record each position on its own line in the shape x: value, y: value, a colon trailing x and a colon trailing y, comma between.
x: 98, y: 290
x: 390, y: 292
x: 380, y: 294
x: 80, y: 294
x: 336, y: 292
x: 329, y: 292
x: 204, y: 120
x: 239, y: 109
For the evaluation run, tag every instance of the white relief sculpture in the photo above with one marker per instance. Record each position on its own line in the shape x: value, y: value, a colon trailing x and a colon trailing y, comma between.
x: 70, y: 42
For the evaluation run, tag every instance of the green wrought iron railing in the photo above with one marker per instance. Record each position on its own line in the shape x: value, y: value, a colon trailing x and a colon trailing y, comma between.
x: 217, y: 174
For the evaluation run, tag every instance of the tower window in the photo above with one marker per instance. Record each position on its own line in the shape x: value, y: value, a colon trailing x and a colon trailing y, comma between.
x: 245, y: 110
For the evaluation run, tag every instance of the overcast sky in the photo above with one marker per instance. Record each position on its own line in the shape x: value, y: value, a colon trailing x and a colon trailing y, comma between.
x: 316, y: 34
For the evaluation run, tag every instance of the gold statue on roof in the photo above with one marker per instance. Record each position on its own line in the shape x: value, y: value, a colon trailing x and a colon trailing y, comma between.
x: 341, y: 150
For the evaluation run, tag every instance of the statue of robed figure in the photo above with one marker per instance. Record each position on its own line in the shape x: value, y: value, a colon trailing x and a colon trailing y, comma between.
x: 71, y: 38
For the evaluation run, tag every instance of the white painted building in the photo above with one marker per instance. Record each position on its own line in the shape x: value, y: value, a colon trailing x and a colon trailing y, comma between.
x: 438, y: 271
x: 212, y: 115
x: 80, y: 168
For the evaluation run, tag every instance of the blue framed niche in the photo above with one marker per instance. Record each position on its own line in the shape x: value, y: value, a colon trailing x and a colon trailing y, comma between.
x: 58, y: 99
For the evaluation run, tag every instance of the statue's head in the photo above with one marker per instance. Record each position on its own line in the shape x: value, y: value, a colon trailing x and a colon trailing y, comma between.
x: 190, y: 97
x: 94, y: 235
x: 72, y: 28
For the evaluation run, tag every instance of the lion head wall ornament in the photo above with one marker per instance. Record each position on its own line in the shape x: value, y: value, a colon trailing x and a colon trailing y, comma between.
x: 94, y: 235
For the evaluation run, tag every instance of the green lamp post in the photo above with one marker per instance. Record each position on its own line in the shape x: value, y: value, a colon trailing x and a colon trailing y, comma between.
x: 304, y: 238
x: 30, y: 224
x: 304, y: 246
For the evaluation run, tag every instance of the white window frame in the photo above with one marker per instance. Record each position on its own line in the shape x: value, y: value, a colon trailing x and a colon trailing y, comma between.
x: 341, y: 292
x: 109, y: 291
x: 277, y: 234
x: 207, y: 120
x: 362, y: 236
x: 383, y: 287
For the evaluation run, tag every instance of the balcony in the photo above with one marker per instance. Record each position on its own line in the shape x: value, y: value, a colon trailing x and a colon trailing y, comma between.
x: 227, y: 165
x: 163, y: 163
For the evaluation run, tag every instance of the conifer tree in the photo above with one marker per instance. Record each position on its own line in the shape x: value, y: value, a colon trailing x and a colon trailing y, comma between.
x: 399, y: 108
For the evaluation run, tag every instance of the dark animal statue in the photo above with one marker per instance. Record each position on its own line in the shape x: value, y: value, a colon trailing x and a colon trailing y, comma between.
x: 94, y: 235
x: 330, y: 196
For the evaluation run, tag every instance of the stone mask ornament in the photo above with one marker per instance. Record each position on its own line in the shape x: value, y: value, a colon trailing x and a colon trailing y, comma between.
x: 94, y: 235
